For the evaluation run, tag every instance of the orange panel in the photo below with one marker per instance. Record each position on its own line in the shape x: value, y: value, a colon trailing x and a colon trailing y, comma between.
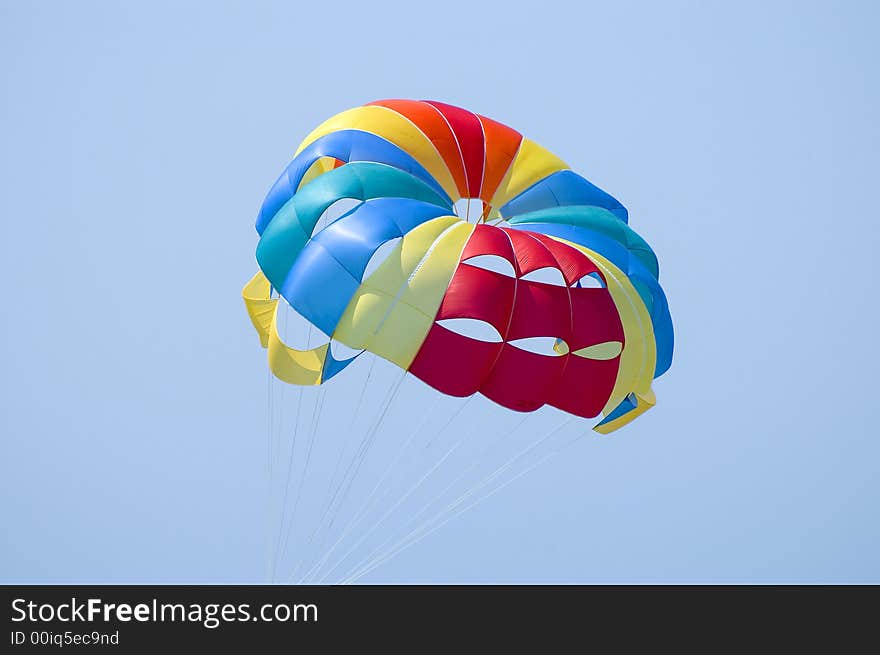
x: 502, y: 142
x: 434, y: 126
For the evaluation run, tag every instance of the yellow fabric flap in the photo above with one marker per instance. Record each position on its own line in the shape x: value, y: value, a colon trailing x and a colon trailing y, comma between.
x: 291, y: 365
x: 645, y: 400
x: 260, y: 305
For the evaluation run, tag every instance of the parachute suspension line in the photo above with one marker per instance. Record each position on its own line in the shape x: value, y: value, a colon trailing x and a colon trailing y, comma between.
x: 316, y: 419
x: 448, y: 513
x: 365, y: 508
x: 359, y: 574
x: 287, y: 481
x: 474, y: 463
x: 358, y: 459
x: 354, y: 416
x: 396, y: 504
x: 278, y: 401
x: 270, y: 417
x: 270, y: 456
x: 449, y: 421
x: 332, y: 487
x: 355, y: 465
x: 367, y: 442
x: 300, y: 392
x: 281, y: 401
x: 406, y: 447
x: 477, y: 460
x: 367, y: 504
x: 269, y: 420
x: 437, y: 436
x: 360, y: 401
x: 279, y: 396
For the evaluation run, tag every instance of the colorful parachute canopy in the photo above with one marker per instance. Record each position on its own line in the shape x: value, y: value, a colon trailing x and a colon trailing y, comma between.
x: 549, y: 297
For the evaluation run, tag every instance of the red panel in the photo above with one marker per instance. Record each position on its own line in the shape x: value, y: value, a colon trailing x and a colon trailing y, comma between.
x: 433, y: 125
x: 488, y: 240
x: 585, y: 386
x: 572, y: 262
x: 594, y: 318
x: 478, y: 293
x: 540, y: 310
x: 517, y: 379
x: 522, y: 380
x: 452, y: 363
x: 469, y: 132
x: 530, y: 253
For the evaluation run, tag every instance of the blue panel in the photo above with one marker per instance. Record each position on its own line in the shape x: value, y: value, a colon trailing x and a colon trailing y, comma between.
x: 333, y: 366
x: 319, y: 287
x: 327, y: 273
x: 625, y: 407
x: 278, y: 195
x: 290, y: 227
x: 347, y: 145
x: 355, y: 237
x: 663, y: 334
x: 561, y: 189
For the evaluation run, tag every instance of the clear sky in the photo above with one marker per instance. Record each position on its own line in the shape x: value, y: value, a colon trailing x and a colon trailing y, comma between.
x: 140, y: 138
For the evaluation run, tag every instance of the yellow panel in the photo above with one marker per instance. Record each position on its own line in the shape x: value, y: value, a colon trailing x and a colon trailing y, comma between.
x: 645, y: 401
x: 531, y: 164
x: 362, y: 317
x: 260, y: 305
x: 427, y: 285
x: 394, y: 308
x: 397, y: 129
x: 291, y: 365
x: 408, y: 255
x: 393, y: 330
x: 401, y: 334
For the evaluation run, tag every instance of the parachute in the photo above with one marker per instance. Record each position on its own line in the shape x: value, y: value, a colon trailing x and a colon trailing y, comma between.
x: 455, y: 250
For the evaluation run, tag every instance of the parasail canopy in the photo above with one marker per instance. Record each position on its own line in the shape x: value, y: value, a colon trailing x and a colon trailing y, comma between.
x: 546, y: 297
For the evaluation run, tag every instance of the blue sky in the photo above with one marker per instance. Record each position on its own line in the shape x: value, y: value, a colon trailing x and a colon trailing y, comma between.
x: 140, y: 138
